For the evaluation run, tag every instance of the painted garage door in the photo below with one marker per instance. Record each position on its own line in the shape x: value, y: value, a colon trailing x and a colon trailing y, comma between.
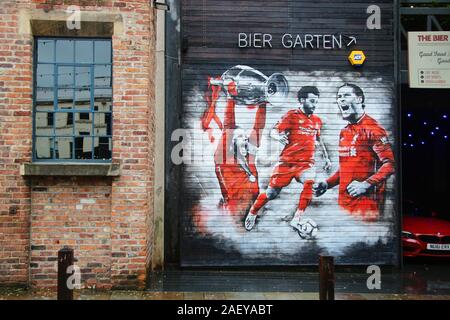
x: 287, y: 150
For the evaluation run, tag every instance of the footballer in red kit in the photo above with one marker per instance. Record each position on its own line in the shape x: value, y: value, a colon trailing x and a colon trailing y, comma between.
x: 235, y: 154
x: 366, y: 158
x: 298, y: 131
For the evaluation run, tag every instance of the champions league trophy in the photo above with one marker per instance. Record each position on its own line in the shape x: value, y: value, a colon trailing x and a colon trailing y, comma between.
x: 253, y: 87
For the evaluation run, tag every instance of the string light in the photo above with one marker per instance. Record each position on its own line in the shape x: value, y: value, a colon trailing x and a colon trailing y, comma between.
x: 438, y: 130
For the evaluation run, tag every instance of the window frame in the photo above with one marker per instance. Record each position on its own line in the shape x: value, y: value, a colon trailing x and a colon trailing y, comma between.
x: 92, y: 112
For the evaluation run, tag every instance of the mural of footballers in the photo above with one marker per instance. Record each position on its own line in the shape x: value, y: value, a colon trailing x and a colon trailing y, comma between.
x: 234, y: 157
x: 286, y: 167
x: 366, y: 159
x: 299, y: 132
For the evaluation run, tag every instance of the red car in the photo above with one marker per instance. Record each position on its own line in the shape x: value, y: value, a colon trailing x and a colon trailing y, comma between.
x: 424, y: 234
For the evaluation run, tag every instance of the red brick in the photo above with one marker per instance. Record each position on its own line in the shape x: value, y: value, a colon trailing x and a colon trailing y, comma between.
x: 114, y: 223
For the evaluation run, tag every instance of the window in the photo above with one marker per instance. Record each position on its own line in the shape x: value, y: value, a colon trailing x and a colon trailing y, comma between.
x: 73, y: 100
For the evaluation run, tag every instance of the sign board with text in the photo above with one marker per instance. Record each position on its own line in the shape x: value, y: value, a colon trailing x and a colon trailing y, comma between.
x: 429, y: 59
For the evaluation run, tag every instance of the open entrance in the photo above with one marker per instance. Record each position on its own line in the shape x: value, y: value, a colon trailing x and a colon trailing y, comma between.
x: 425, y: 139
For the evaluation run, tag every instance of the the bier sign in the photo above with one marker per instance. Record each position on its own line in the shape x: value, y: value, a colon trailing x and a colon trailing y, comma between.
x: 429, y: 59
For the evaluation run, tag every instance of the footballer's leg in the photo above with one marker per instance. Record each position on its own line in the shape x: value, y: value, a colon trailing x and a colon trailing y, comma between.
x: 263, y: 198
x: 306, y: 177
x: 281, y: 176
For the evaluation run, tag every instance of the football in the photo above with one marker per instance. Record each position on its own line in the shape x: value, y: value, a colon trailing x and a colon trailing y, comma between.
x: 307, y: 229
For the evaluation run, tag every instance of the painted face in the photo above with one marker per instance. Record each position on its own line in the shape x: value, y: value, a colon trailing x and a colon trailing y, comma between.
x: 241, y: 139
x: 309, y: 104
x: 349, y: 103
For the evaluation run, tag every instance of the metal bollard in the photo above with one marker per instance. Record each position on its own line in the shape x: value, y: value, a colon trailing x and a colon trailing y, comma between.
x: 65, y: 259
x: 327, y: 279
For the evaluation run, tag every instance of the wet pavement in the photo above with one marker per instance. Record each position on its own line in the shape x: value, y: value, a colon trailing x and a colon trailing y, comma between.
x: 15, y: 294
x: 418, y: 280
x: 22, y: 294
x: 420, y: 277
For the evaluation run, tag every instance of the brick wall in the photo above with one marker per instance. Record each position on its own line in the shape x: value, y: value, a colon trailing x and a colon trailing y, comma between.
x: 72, y: 211
x: 15, y: 146
x: 131, y: 207
x: 106, y: 220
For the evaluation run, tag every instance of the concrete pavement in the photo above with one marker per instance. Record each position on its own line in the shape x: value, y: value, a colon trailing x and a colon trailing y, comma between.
x: 22, y: 294
x: 418, y: 280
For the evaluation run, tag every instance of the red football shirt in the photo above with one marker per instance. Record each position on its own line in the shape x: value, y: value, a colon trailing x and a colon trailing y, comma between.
x: 364, y: 155
x: 302, y: 132
x: 239, y: 186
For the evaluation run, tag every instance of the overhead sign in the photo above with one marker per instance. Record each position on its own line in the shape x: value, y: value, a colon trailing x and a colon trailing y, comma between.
x: 296, y: 41
x: 429, y: 59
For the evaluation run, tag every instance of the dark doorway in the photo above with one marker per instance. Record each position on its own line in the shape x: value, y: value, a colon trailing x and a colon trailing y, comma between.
x: 425, y: 117
x: 426, y: 146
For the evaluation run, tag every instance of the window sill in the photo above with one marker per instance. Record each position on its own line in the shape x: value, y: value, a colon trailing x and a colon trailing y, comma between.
x: 70, y: 169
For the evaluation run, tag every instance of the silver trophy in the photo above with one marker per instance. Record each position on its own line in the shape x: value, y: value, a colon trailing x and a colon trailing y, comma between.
x: 253, y: 87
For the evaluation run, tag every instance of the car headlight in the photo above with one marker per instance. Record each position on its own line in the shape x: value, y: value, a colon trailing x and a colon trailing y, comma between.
x: 407, y: 234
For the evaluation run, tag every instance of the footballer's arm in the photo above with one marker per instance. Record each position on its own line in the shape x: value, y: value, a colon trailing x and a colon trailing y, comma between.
x: 326, y: 158
x: 279, y: 136
x: 386, y: 158
x: 210, y: 113
x: 260, y: 123
x: 321, y: 187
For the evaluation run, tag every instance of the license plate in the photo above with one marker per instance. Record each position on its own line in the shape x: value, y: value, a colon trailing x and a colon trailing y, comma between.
x: 437, y: 246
